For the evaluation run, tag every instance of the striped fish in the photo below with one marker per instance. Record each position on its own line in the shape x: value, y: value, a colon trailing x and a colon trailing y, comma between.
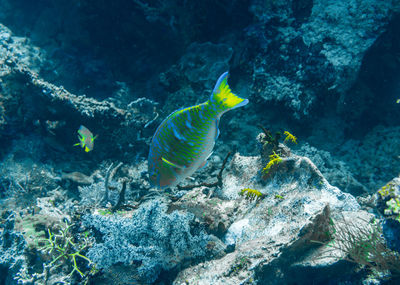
x: 86, y: 138
x: 185, y: 139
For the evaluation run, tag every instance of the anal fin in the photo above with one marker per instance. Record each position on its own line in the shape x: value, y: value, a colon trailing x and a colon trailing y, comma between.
x: 203, y: 164
x: 216, y: 129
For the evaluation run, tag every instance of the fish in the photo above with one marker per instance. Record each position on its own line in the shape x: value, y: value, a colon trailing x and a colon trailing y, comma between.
x: 86, y: 139
x: 185, y: 139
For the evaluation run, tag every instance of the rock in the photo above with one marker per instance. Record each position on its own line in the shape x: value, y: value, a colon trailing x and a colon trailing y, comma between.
x: 205, y: 62
x: 215, y: 213
x: 309, y: 50
x: 77, y: 177
x: 273, y: 233
x: 375, y: 159
x: 336, y: 171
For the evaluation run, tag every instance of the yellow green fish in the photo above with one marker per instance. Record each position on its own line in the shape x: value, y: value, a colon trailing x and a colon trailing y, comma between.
x: 185, y: 139
x: 86, y: 139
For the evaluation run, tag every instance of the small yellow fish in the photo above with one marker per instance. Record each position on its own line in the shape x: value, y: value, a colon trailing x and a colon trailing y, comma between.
x: 398, y: 101
x: 86, y: 139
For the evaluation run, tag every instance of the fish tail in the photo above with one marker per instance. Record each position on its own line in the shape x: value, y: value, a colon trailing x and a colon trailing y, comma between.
x: 222, y: 96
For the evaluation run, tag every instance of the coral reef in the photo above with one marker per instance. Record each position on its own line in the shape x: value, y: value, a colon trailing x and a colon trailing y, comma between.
x: 151, y: 239
x: 12, y: 258
x: 265, y: 233
x: 321, y: 42
x: 268, y: 208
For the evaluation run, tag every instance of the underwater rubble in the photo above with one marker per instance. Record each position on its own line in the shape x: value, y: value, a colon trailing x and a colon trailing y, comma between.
x: 321, y: 207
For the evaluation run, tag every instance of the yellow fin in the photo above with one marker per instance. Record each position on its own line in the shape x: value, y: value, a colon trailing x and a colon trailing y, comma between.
x: 223, y: 97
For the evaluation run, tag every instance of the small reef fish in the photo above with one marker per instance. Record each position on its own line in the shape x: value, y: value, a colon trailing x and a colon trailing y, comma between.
x: 185, y: 139
x: 86, y: 139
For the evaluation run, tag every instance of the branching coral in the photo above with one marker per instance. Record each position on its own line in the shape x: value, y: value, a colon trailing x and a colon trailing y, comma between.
x: 272, y: 150
x: 251, y: 193
x: 270, y: 139
x: 393, y: 208
x: 150, y: 241
x: 387, y: 190
x: 289, y: 137
x: 63, y: 250
x: 274, y: 160
x: 390, y: 198
x: 362, y: 243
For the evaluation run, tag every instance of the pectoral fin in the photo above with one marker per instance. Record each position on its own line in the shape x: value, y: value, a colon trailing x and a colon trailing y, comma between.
x: 172, y: 164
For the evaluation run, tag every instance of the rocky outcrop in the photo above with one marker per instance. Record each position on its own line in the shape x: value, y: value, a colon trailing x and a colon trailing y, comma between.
x: 312, y: 50
x: 274, y: 236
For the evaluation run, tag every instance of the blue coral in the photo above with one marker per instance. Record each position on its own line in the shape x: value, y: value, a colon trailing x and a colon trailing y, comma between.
x: 152, y: 238
x: 12, y: 246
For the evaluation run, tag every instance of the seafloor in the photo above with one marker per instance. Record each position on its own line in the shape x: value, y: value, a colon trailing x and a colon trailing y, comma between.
x: 303, y: 186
